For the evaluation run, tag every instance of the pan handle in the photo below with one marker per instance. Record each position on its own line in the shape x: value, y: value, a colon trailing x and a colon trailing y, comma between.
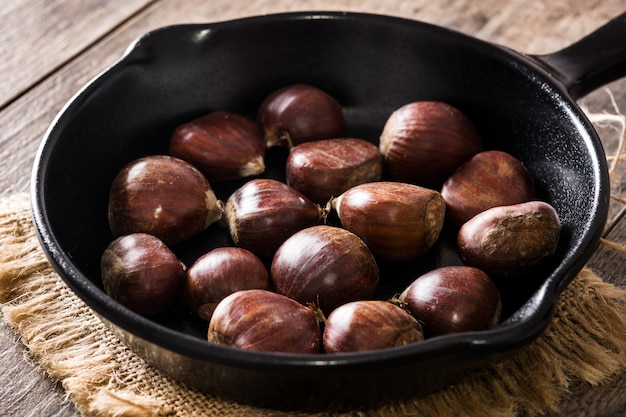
x: 591, y: 62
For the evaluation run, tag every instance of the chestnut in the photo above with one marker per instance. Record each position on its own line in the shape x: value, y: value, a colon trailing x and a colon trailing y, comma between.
x: 163, y: 196
x: 263, y: 213
x: 326, y: 168
x: 221, y: 272
x: 222, y: 145
x: 453, y: 299
x: 369, y: 325
x: 300, y: 113
x: 262, y: 320
x: 489, y: 179
x: 325, y: 265
x: 140, y: 272
x: 423, y: 142
x: 505, y: 241
x: 397, y: 221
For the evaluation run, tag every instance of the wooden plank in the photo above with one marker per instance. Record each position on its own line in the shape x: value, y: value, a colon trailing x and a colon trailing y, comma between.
x: 518, y: 24
x: 37, y: 36
x: 28, y: 390
x: 538, y: 27
x: 609, y: 261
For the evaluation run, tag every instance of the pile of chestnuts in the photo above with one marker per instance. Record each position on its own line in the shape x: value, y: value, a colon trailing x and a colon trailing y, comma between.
x: 294, y: 280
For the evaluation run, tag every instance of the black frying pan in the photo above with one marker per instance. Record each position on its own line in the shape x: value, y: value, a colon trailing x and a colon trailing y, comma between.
x: 522, y: 104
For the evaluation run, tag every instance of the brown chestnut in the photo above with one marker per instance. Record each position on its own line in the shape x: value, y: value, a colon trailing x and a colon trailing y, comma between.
x: 326, y: 168
x: 262, y: 320
x: 453, y: 299
x: 425, y: 141
x: 489, y: 179
x: 369, y: 325
x: 222, y: 145
x: 263, y: 213
x: 221, y: 272
x: 140, y: 272
x: 164, y: 196
x: 397, y: 221
x: 507, y: 240
x: 325, y: 265
x: 300, y: 113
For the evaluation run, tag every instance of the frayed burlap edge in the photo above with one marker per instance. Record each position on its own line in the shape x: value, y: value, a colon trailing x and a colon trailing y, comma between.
x: 586, y: 342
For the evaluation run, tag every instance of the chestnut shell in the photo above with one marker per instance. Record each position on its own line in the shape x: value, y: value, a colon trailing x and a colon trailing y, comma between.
x: 163, y: 196
x: 222, y: 145
x: 453, y: 299
x: 300, y: 113
x: 397, y: 221
x: 219, y: 273
x: 423, y: 142
x: 489, y: 179
x: 263, y: 213
x: 265, y: 321
x: 369, y: 325
x: 324, y: 265
x: 140, y: 272
x: 506, y: 241
x: 326, y: 168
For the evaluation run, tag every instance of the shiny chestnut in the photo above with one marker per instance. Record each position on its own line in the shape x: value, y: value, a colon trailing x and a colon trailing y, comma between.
x: 265, y: 321
x: 326, y: 168
x: 369, y: 325
x: 397, y: 221
x: 140, y: 272
x: 163, y: 196
x: 219, y: 273
x: 453, y: 299
x: 300, y: 113
x: 263, y: 213
x: 423, y: 142
x: 489, y: 179
x: 222, y: 145
x: 324, y: 265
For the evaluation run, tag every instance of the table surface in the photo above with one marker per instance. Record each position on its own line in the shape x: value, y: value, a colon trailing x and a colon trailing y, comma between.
x: 50, y: 48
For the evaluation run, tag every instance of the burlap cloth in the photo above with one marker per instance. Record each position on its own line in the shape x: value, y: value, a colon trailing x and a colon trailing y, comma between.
x: 585, y: 342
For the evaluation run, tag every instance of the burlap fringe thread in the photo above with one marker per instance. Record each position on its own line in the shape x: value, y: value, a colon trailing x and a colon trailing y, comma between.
x: 586, y: 342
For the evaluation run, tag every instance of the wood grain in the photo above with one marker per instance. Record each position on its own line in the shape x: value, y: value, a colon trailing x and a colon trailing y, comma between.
x: 27, y: 389
x: 39, y: 36
x: 49, y: 49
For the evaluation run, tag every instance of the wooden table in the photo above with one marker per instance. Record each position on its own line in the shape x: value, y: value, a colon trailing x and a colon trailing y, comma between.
x: 50, y: 48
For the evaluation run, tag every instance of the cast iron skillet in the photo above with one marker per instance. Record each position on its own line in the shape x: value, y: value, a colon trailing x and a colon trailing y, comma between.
x: 522, y: 104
